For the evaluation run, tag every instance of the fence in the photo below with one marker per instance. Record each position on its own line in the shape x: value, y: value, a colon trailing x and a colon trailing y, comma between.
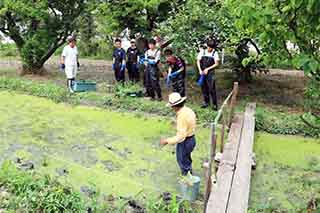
x: 224, y: 117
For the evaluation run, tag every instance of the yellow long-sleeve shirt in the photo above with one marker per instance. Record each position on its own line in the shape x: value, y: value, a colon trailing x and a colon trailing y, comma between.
x: 186, y: 125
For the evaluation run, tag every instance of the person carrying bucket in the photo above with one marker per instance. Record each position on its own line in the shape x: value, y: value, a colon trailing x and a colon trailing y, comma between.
x: 207, y: 61
x: 133, y: 62
x: 185, y: 139
x: 70, y: 62
x: 176, y: 72
x: 152, y: 75
x: 119, y: 62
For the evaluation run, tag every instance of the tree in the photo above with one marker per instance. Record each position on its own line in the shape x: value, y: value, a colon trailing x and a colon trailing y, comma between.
x: 139, y: 16
x: 274, y: 24
x: 39, y: 27
x: 194, y: 23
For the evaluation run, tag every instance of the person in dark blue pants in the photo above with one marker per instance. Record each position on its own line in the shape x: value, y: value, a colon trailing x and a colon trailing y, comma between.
x: 119, y: 62
x: 185, y: 139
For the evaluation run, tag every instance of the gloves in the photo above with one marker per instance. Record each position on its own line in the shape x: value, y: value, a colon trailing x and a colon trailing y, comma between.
x: 201, y: 80
x: 113, y: 67
x: 152, y: 62
x: 123, y: 67
x: 141, y: 61
x: 168, y: 81
x: 62, y: 67
x: 174, y: 74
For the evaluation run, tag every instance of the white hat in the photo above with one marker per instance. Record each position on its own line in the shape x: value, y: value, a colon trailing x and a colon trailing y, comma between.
x: 132, y: 41
x: 175, y: 99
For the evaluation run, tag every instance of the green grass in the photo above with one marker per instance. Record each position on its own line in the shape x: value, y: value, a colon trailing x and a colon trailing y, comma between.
x: 288, y: 173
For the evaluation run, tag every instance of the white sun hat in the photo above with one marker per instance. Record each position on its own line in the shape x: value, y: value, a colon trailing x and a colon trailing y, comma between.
x: 175, y: 99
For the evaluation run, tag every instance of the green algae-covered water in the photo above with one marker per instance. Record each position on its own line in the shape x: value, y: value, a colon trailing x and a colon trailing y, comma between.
x: 119, y: 153
x: 287, y: 177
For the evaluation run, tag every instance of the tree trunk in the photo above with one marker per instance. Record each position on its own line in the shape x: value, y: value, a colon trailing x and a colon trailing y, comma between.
x: 34, y: 69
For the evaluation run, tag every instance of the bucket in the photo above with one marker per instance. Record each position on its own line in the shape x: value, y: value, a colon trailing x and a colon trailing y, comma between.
x: 190, y: 189
x: 84, y: 86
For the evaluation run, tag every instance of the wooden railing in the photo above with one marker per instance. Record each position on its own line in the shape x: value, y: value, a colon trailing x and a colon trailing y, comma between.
x: 223, y: 118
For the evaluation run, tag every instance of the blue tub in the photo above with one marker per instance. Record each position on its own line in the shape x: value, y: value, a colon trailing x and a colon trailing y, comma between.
x: 84, y: 86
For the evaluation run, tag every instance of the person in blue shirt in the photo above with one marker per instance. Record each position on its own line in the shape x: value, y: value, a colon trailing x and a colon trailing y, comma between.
x: 119, y: 62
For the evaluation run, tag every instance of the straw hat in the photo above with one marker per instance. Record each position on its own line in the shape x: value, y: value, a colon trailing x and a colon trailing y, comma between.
x: 175, y: 99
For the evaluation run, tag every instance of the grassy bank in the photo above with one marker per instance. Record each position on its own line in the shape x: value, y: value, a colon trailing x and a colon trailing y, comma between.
x: 268, y: 120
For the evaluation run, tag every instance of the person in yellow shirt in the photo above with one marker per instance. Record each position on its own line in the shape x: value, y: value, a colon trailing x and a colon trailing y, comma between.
x: 184, y: 139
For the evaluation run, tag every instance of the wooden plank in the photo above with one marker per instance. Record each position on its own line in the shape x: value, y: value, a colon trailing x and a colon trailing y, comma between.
x: 240, y: 189
x: 220, y: 193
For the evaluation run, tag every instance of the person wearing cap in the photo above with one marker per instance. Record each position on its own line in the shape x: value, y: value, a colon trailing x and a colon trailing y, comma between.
x: 70, y: 62
x: 119, y: 61
x: 184, y: 139
x: 132, y: 62
x: 207, y: 61
x: 176, y: 72
x: 152, y: 75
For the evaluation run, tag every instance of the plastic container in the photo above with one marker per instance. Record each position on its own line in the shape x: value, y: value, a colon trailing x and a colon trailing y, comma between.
x: 84, y: 86
x: 138, y: 94
x: 190, y: 189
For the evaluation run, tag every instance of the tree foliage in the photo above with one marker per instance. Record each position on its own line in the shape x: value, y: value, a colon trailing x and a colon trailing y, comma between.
x: 275, y: 24
x: 139, y: 16
x: 39, y: 27
x: 194, y: 23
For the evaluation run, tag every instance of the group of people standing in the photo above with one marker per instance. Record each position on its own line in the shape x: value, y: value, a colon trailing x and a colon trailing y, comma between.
x: 148, y: 60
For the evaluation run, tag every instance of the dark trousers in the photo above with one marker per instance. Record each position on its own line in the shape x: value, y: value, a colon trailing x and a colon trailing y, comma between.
x: 119, y: 74
x: 183, y: 153
x: 152, y: 83
x: 178, y: 85
x: 133, y: 72
x: 209, y: 90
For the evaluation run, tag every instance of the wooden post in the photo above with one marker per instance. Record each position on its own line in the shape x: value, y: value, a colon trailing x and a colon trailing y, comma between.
x: 222, y: 134
x: 233, y: 102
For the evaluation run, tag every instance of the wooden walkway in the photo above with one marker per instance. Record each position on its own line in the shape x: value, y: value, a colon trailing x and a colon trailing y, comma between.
x: 231, y: 192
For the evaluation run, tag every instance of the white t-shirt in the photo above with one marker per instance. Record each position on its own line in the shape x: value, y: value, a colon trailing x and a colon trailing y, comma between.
x: 70, y: 55
x: 205, y: 52
x: 153, y: 53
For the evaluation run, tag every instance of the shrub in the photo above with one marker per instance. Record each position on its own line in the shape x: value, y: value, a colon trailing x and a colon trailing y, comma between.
x: 8, y: 50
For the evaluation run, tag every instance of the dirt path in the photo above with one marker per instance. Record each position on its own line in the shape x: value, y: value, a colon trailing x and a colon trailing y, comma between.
x: 280, y: 89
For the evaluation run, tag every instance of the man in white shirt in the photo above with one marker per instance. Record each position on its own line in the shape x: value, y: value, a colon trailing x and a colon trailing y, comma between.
x: 152, y: 75
x: 207, y: 61
x: 69, y: 61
